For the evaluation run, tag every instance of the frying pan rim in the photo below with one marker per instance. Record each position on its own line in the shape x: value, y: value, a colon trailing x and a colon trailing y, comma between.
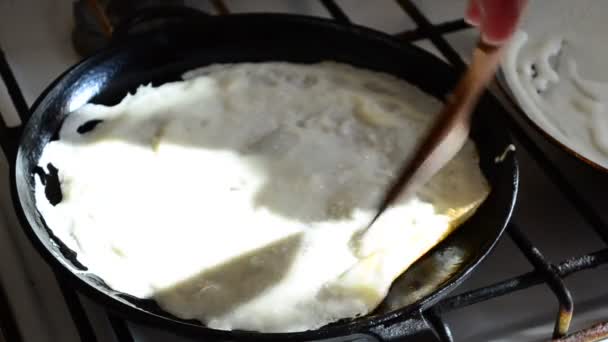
x: 356, y: 325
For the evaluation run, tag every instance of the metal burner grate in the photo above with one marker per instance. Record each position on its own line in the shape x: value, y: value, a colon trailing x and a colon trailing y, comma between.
x: 544, y: 272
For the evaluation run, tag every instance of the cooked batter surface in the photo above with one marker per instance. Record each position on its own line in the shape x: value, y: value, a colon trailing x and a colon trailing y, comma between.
x: 240, y: 196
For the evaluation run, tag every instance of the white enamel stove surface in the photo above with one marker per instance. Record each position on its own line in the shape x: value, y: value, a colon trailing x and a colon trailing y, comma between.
x: 35, y: 37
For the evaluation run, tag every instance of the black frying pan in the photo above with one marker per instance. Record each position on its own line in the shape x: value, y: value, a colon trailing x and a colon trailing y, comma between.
x: 161, y: 55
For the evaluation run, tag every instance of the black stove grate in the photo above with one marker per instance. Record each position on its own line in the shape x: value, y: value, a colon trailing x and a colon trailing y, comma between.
x: 544, y: 271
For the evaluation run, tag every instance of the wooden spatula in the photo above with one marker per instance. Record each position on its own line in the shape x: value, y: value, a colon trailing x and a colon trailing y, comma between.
x: 450, y: 131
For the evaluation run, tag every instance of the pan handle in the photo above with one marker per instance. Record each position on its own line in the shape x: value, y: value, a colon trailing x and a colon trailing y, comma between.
x: 149, y: 15
x: 417, y: 327
x: 9, y: 136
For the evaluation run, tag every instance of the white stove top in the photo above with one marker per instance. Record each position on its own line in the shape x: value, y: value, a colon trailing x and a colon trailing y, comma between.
x: 35, y: 35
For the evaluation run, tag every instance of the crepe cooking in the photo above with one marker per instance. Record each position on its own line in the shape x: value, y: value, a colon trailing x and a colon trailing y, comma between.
x: 240, y: 196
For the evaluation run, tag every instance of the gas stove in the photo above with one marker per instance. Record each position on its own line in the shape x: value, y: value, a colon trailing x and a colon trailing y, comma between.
x: 542, y: 269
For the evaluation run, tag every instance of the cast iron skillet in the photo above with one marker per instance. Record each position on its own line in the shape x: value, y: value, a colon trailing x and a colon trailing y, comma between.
x: 161, y: 55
